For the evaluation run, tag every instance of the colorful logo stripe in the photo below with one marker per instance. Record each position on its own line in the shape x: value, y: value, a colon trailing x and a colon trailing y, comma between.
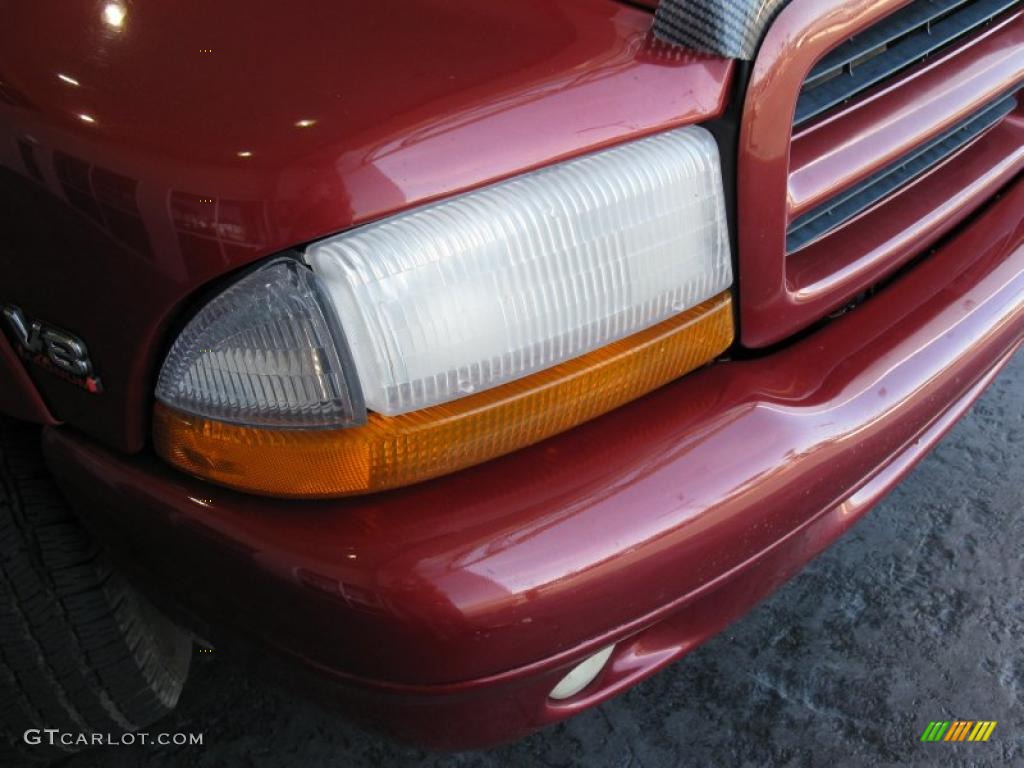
x: 959, y: 730
x: 935, y: 731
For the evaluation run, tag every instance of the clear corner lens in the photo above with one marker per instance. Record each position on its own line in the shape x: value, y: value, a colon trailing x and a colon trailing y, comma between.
x: 490, y: 286
x: 267, y: 352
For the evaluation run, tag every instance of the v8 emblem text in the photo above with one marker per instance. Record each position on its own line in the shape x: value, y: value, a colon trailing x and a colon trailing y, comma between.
x: 52, y: 348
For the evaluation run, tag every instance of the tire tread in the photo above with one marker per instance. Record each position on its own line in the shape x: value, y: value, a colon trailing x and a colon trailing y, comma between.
x: 79, y: 649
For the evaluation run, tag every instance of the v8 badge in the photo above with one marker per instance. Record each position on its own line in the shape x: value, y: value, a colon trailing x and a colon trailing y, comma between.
x: 52, y: 348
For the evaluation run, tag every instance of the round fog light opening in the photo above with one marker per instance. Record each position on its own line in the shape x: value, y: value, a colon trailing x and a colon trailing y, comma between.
x: 582, y: 675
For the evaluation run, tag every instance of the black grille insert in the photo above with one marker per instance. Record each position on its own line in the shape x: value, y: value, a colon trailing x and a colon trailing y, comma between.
x: 843, y: 207
x: 897, y: 42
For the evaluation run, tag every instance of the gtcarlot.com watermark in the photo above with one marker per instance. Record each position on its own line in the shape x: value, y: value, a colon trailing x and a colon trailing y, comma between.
x: 55, y: 737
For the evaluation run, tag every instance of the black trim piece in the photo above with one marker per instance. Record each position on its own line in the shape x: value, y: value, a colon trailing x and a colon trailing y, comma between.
x: 730, y: 28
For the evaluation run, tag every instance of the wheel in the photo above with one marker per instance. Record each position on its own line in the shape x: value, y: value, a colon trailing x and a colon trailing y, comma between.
x: 80, y: 651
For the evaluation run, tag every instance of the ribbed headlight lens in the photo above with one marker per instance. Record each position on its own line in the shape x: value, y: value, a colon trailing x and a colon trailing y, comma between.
x: 485, y: 288
x: 469, y: 328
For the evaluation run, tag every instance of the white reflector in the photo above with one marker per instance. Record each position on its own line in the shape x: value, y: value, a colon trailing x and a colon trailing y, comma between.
x: 487, y: 287
x: 582, y: 675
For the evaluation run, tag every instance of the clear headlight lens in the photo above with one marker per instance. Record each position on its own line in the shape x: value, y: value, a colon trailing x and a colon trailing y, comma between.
x: 481, y: 289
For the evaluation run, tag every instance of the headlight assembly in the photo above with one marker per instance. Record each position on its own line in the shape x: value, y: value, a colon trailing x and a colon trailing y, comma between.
x: 468, y: 328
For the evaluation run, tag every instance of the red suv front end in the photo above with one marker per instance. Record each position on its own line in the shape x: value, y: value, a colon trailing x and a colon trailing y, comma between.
x: 499, y: 550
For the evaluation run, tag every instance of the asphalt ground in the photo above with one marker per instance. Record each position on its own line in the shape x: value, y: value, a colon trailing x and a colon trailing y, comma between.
x: 916, y: 615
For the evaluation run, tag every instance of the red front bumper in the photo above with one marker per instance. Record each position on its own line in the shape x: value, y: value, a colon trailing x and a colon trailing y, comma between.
x: 447, y: 611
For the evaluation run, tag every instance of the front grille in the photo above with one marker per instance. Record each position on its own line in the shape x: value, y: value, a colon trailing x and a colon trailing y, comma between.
x: 849, y: 204
x: 910, y: 121
x: 903, y: 39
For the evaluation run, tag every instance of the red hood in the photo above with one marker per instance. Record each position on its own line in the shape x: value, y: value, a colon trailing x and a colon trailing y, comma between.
x: 199, y: 136
x: 212, y: 97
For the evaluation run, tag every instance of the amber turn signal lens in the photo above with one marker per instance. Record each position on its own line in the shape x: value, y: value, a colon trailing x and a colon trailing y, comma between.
x: 389, y: 452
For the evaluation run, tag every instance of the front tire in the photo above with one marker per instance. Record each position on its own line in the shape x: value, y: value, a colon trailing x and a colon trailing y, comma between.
x: 80, y: 651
